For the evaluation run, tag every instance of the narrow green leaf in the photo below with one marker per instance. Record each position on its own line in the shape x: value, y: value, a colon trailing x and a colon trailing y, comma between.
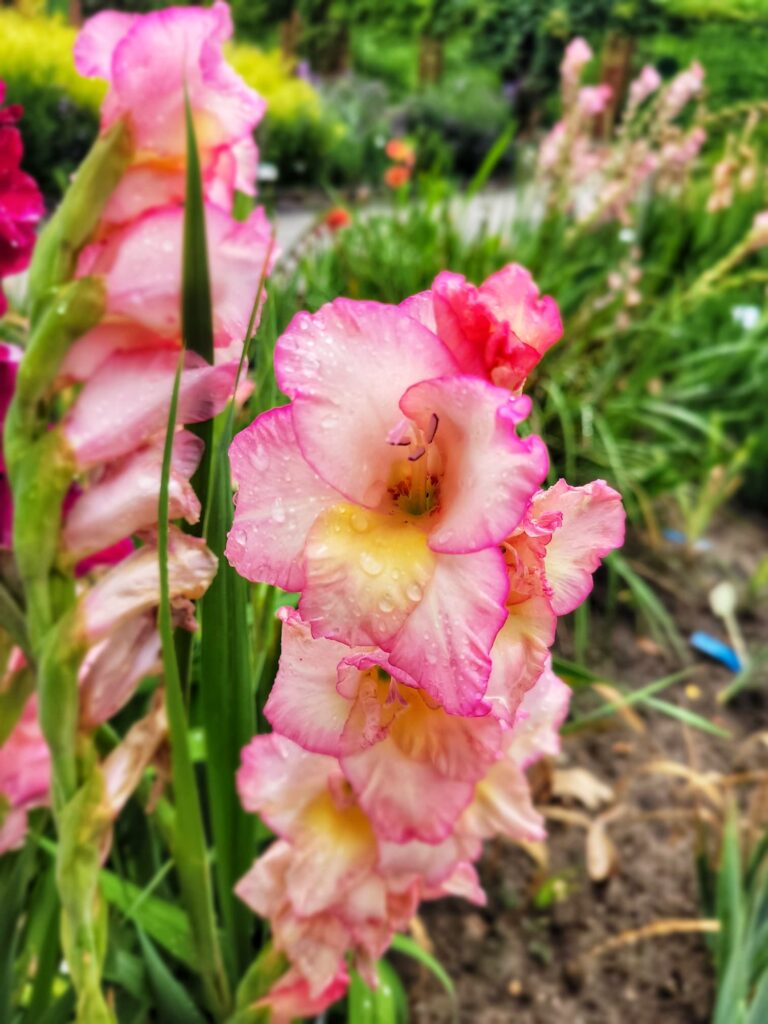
x: 688, y: 717
x: 635, y: 697
x: 172, y: 1002
x: 166, y: 923
x: 409, y: 947
x: 196, y: 305
x: 190, y: 850
x: 491, y: 159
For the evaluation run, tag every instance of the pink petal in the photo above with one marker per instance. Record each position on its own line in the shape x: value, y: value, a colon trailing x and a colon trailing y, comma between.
x: 126, y: 402
x: 304, y: 704
x: 364, y: 574
x: 133, y: 586
x: 445, y: 642
x: 278, y: 500
x: 93, y: 349
x: 405, y: 798
x: 490, y: 473
x: 346, y: 367
x: 125, y: 498
x: 277, y: 780
x: 150, y: 65
x: 503, y: 806
x: 97, y: 40
x: 291, y: 998
x: 536, y: 733
x: 520, y: 654
x: 13, y: 830
x: 25, y: 764
x: 142, y: 265
x: 513, y: 296
x: 592, y: 526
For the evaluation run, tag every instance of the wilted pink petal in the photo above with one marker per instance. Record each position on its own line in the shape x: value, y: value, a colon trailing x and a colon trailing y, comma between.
x: 126, y: 402
x: 133, y: 586
x: 124, y: 498
x: 124, y: 766
x: 290, y: 999
x: 114, y: 667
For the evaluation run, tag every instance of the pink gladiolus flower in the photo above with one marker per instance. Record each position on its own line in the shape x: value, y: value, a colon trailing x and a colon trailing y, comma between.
x: 758, y: 235
x: 21, y: 205
x: 646, y: 83
x: 321, y: 884
x: 114, y: 667
x: 499, y: 330
x: 382, y: 505
x: 148, y: 61
x: 25, y: 771
x: 143, y: 280
x: 551, y: 558
x: 394, y: 746
x: 132, y: 390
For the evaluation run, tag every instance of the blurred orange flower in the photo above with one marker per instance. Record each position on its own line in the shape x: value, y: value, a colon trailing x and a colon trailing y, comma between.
x: 397, y: 176
x: 401, y: 152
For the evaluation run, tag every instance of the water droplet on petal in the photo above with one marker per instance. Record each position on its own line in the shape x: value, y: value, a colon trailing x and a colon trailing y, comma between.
x: 360, y: 522
x: 413, y: 591
x: 370, y: 564
x: 386, y: 605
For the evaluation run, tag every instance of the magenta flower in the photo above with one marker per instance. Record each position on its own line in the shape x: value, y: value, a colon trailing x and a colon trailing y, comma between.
x: 21, y: 205
x: 386, y: 506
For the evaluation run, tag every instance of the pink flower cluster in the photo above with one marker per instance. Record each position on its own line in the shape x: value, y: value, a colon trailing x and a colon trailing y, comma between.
x: 21, y: 205
x: 114, y: 431
x: 396, y: 495
x: 600, y: 178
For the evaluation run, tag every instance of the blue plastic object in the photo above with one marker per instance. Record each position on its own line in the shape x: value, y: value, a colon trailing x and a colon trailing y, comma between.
x: 716, y: 649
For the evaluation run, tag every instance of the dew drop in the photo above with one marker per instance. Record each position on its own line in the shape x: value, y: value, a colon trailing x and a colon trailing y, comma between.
x: 360, y: 522
x: 386, y: 605
x: 370, y: 564
x: 413, y: 591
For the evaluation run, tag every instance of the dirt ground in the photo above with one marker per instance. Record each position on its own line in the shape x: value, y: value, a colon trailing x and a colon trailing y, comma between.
x: 532, y: 955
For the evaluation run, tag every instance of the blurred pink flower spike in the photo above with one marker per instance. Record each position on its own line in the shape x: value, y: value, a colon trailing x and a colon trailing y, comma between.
x: 646, y: 83
x: 148, y: 60
x: 382, y: 505
x: 499, y: 330
x: 413, y: 768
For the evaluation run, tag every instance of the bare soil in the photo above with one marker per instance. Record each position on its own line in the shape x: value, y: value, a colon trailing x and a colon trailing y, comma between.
x: 533, y: 955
